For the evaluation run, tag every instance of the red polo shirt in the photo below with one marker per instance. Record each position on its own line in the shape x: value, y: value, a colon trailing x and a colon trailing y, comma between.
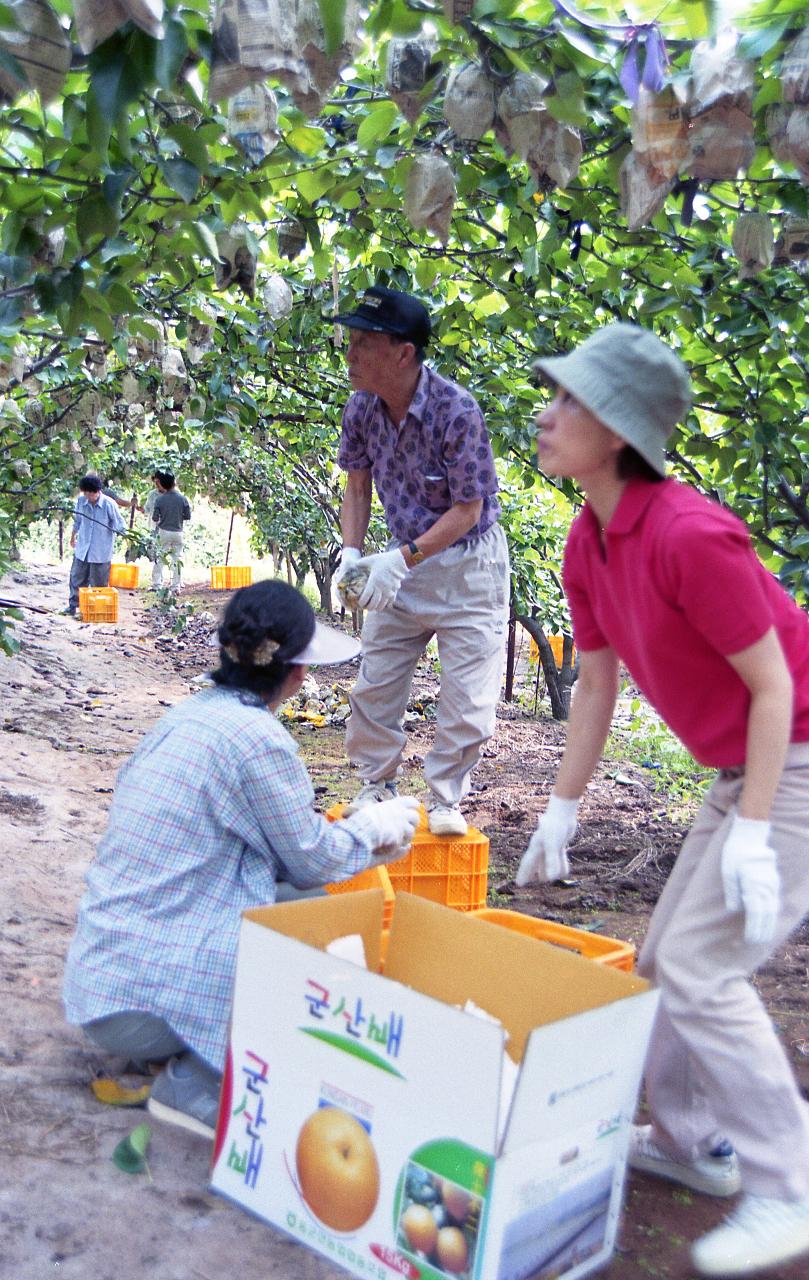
x: 677, y: 588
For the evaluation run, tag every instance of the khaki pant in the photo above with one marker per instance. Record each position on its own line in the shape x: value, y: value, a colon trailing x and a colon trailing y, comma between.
x: 715, y: 1064
x: 460, y: 596
x: 168, y: 551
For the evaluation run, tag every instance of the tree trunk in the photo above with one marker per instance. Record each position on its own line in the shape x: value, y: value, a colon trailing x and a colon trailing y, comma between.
x: 511, y: 649
x: 322, y: 571
x: 559, y: 682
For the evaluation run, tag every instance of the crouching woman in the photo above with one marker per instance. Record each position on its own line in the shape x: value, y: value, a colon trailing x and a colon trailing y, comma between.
x: 210, y: 815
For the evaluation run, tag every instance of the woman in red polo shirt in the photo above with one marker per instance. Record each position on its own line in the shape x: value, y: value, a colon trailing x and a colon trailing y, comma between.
x: 662, y: 579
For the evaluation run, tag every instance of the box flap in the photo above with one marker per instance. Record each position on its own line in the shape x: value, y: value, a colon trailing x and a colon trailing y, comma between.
x: 318, y: 921
x: 520, y: 980
x: 589, y: 1064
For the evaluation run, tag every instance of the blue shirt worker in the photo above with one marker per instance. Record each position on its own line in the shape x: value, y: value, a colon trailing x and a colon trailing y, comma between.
x: 214, y: 814
x: 96, y: 520
x: 421, y: 442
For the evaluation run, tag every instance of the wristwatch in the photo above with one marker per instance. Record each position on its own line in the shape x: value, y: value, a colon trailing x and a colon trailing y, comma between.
x: 416, y: 552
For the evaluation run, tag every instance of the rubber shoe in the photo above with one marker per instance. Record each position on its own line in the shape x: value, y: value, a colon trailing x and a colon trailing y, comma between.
x: 713, y: 1175
x: 446, y: 820
x: 758, y: 1234
x: 371, y: 793
x: 188, y: 1101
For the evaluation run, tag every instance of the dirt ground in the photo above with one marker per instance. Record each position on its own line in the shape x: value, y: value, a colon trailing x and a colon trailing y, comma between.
x: 75, y: 702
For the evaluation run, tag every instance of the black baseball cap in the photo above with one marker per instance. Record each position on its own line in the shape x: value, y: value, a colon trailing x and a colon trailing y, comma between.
x: 389, y: 311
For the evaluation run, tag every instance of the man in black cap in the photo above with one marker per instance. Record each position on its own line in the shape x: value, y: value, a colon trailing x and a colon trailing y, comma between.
x: 421, y: 440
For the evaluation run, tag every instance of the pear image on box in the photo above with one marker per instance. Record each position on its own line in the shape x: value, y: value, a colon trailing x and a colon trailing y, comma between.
x: 337, y: 1169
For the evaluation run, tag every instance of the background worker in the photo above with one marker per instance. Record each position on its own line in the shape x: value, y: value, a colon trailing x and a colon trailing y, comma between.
x: 422, y: 441
x: 170, y: 511
x: 212, y: 815
x: 96, y: 520
x: 666, y: 581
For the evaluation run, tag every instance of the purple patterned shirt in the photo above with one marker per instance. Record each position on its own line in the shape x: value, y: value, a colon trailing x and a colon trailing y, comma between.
x: 439, y: 455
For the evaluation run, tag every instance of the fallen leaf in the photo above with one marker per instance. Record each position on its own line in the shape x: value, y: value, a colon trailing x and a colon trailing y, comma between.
x: 113, y: 1094
x: 130, y: 1154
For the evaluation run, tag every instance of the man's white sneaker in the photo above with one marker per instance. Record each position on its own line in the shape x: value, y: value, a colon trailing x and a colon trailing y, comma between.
x: 760, y: 1233
x: 371, y: 793
x: 446, y: 820
x: 713, y: 1175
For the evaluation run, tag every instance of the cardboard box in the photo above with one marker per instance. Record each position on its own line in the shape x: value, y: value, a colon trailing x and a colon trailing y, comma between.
x: 361, y: 1113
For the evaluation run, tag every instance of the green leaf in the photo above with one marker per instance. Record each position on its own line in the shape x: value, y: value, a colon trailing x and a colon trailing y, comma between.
x: 332, y: 15
x: 10, y: 315
x: 306, y: 140
x: 182, y: 176
x: 171, y: 52
x: 698, y: 16
x: 207, y: 241
x: 114, y: 186
x: 113, y: 78
x: 377, y: 124
x: 426, y: 272
x: 756, y: 43
x: 567, y: 104
x: 191, y: 145
x: 130, y: 1154
x: 94, y: 216
x: 99, y: 126
x: 116, y: 248
x: 313, y: 183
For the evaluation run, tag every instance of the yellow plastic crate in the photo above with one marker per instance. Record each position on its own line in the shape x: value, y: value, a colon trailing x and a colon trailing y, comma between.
x: 226, y: 577
x: 557, y: 649
x: 593, y: 946
x: 452, y: 870
x: 126, y: 576
x: 98, y: 604
x: 372, y: 878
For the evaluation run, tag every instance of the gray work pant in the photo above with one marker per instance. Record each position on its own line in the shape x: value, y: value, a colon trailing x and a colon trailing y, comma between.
x: 460, y: 596
x: 715, y: 1063
x: 87, y: 573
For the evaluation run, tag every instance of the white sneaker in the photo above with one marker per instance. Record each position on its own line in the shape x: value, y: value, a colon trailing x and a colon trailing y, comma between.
x: 371, y: 793
x: 713, y: 1175
x: 446, y: 820
x: 760, y: 1233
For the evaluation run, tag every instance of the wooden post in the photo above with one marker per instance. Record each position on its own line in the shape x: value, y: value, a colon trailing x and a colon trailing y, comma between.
x: 230, y: 535
x: 510, y: 654
x: 61, y: 540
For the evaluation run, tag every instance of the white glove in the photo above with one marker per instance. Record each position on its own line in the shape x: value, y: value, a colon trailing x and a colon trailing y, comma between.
x: 348, y: 556
x: 546, y: 855
x: 390, y: 825
x: 387, y: 571
x: 750, y: 877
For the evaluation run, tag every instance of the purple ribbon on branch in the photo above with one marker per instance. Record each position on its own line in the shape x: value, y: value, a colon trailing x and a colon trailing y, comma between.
x: 647, y: 34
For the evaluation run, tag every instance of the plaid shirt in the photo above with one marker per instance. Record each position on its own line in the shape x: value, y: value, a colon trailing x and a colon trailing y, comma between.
x: 210, y: 811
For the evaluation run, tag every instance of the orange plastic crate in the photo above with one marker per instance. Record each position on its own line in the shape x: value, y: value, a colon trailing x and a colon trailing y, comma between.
x: 98, y: 604
x: 372, y: 878
x: 124, y: 575
x: 557, y: 649
x: 452, y: 870
x: 226, y: 577
x: 593, y: 946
